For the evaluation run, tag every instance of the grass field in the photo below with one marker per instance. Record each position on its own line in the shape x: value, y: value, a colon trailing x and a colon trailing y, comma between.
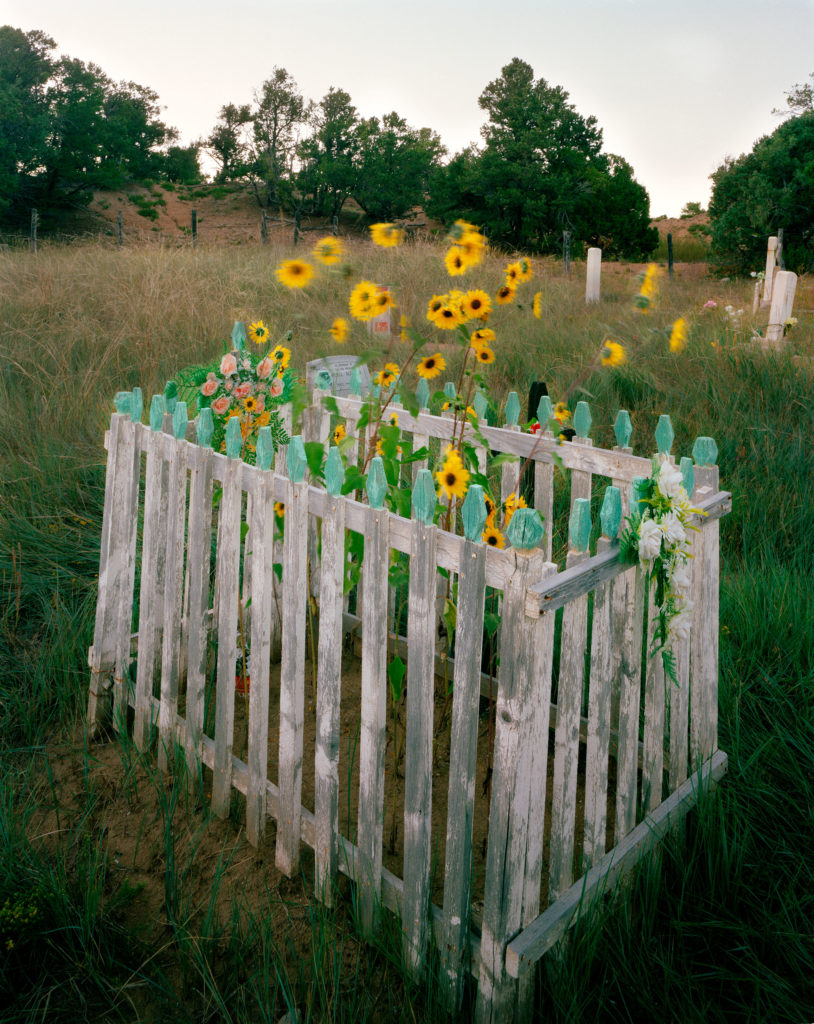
x: 717, y: 926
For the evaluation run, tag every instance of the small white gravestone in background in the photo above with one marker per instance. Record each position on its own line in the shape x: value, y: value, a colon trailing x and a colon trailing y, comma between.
x: 592, y: 276
x: 340, y: 369
x: 379, y: 326
x: 768, y: 279
x: 785, y: 285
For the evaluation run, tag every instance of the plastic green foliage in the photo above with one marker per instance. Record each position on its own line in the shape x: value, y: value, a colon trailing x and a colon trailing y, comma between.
x: 473, y: 513
x: 705, y: 451
x: 206, y: 428
x: 480, y: 404
x: 334, y: 471
x: 136, y: 405
x: 638, y: 488
x: 264, y: 451
x: 395, y: 676
x: 356, y: 381
x: 512, y: 409
x: 234, y: 439
x: 424, y: 498
x: 688, y: 473
x: 665, y: 435
x: 582, y: 419
x: 623, y: 428
x: 170, y: 396
x: 545, y: 412
x: 123, y: 401
x: 422, y: 393
x: 610, y: 515
x: 238, y: 335
x: 525, y: 529
x: 157, y: 408
x: 376, y: 485
x: 450, y: 391
x: 179, y: 421
x: 579, y: 526
x: 296, y: 459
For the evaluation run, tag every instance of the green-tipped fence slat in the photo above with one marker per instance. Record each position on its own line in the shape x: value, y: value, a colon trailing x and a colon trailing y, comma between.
x: 665, y: 435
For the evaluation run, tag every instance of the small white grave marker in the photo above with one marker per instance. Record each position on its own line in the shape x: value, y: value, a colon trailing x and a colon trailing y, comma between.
x: 379, y: 326
x: 785, y: 286
x: 340, y: 369
x: 768, y: 280
x: 592, y: 277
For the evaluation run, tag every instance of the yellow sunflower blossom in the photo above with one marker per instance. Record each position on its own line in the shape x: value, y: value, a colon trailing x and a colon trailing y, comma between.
x: 340, y: 330
x: 537, y: 305
x: 476, y: 305
x: 469, y: 241
x: 491, y: 510
x: 294, y: 273
x: 561, y: 412
x: 493, y: 537
x: 250, y: 404
x: 513, y: 272
x: 281, y: 355
x: 484, y: 355
x: 524, y: 271
x: 434, y: 306
x: 678, y: 335
x: 258, y: 332
x: 431, y: 366
x: 382, y: 300
x: 339, y: 434
x: 386, y: 377
x: 361, y: 301
x: 453, y: 476
x: 279, y: 508
x: 613, y: 353
x: 264, y: 418
x: 505, y: 295
x: 511, y: 505
x: 481, y: 337
x: 455, y: 261
x: 328, y: 250
x: 448, y: 317
x: 386, y: 235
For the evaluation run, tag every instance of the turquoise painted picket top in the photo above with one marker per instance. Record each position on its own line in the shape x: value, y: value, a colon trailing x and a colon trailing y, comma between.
x: 688, y: 473
x: 623, y: 428
x: 376, y: 483
x: 238, y: 336
x: 422, y: 394
x: 170, y: 396
x: 512, y: 409
x: 480, y: 404
x: 123, y: 402
x: 157, y: 410
x: 665, y: 435
x: 234, y: 439
x: 610, y: 515
x: 473, y: 513
x: 450, y: 391
x: 705, y: 451
x: 334, y: 472
x: 296, y: 459
x: 356, y: 381
x: 179, y: 421
x: 545, y: 412
x: 264, y: 452
x: 579, y: 525
x: 136, y: 405
x: 582, y: 420
x: 206, y: 428
x: 525, y: 530
x: 424, y: 497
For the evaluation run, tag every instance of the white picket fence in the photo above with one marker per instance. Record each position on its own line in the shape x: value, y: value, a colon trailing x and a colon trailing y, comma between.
x: 168, y: 652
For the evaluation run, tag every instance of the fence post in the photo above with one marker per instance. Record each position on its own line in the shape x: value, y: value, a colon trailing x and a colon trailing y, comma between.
x: 194, y: 217
x: 566, y: 251
x: 510, y: 828
x: 35, y: 219
x: 670, y: 254
x: 119, y: 229
x: 264, y: 230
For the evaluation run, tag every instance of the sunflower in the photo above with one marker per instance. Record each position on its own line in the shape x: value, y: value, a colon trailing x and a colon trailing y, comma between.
x: 455, y: 261
x: 614, y: 353
x: 469, y: 241
x: 361, y: 300
x: 505, y: 295
x: 339, y: 434
x: 294, y: 273
x: 394, y: 419
x: 523, y: 270
x: 491, y: 509
x: 387, y: 235
x: 281, y: 355
x: 382, y: 300
x: 481, y: 337
x: 512, y: 504
x: 258, y: 332
x: 448, y: 317
x: 384, y: 378
x: 328, y: 250
x: 250, y: 404
x: 493, y: 537
x: 431, y: 366
x: 513, y: 275
x: 279, y: 509
x: 562, y: 412
x: 453, y: 476
x: 340, y: 330
x: 476, y: 305
x: 484, y: 355
x: 434, y: 306
x: 678, y: 335
x: 537, y: 305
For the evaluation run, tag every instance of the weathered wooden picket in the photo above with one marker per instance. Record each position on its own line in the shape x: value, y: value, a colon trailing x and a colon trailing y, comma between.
x: 589, y: 707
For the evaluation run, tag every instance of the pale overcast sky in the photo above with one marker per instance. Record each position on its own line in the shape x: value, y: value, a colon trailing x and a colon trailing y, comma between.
x: 676, y: 85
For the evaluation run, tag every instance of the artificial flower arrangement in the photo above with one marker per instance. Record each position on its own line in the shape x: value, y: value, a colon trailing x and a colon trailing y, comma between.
x: 249, y: 385
x: 656, y: 539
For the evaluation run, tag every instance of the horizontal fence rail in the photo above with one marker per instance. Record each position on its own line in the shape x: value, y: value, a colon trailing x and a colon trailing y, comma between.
x: 594, y: 755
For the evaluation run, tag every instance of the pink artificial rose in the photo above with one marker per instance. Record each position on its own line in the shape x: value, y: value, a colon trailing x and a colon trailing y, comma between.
x: 242, y: 390
x: 228, y: 365
x: 209, y: 387
x: 264, y: 368
x: 261, y: 403
x: 220, y: 405
x: 276, y: 387
x: 229, y: 384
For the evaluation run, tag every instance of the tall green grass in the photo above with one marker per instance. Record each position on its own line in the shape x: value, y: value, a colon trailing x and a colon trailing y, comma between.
x: 716, y: 926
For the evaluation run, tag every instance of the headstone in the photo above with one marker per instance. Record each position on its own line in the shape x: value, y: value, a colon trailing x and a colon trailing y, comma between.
x: 768, y: 280
x: 339, y: 368
x: 592, y: 276
x: 785, y: 286
x: 379, y: 326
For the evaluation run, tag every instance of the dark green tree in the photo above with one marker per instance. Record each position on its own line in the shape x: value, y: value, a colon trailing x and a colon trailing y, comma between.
x: 759, y: 192
x: 394, y: 166
x: 279, y: 115
x: 541, y: 171
x: 180, y: 164
x: 227, y: 142
x: 329, y: 155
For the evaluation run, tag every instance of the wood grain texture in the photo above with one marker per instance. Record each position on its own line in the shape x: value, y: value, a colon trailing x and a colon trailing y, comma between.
x: 653, y: 752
